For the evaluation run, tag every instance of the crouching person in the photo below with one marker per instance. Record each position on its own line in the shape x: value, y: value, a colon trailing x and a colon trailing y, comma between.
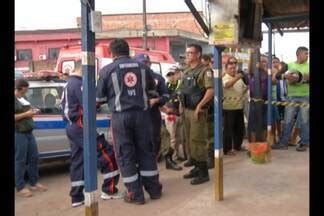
x: 71, y: 105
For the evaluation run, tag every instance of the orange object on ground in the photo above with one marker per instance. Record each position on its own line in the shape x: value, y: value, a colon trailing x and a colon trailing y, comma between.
x: 258, y: 152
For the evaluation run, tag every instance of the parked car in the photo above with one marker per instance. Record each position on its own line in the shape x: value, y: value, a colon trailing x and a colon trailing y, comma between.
x: 45, y: 92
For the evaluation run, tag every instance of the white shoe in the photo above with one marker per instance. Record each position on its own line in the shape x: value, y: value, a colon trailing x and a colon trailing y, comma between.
x: 118, y: 195
x: 76, y: 204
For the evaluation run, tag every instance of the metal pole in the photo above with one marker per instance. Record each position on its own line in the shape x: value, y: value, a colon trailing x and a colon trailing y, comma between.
x: 257, y: 94
x: 269, y: 106
x: 89, y: 109
x: 145, y: 25
x: 218, y: 131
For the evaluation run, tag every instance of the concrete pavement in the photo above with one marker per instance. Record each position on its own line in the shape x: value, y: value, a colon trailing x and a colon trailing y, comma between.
x: 279, y: 188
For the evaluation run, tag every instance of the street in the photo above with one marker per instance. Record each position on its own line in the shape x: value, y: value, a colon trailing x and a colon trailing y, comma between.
x: 279, y: 188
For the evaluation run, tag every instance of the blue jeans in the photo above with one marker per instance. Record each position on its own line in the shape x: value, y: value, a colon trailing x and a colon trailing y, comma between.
x: 303, y: 114
x: 26, y: 159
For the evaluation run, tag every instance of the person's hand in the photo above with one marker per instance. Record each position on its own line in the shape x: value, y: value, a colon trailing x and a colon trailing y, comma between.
x: 306, y: 77
x: 154, y: 101
x: 238, y: 75
x: 290, y: 77
x: 197, y: 111
x: 31, y: 113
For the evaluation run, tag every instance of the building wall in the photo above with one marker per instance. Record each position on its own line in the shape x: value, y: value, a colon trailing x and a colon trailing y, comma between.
x: 170, y: 20
x: 42, y: 47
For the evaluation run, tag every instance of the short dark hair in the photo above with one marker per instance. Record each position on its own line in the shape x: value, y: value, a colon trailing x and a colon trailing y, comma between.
x: 275, y: 57
x: 21, y: 83
x: 300, y: 49
x: 119, y: 47
x: 206, y: 57
x: 197, y: 47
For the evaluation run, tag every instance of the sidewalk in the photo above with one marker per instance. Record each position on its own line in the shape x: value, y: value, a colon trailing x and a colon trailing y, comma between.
x: 279, y: 188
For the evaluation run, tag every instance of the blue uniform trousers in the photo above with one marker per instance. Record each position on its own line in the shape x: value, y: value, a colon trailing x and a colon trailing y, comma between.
x: 106, y: 163
x: 134, y: 153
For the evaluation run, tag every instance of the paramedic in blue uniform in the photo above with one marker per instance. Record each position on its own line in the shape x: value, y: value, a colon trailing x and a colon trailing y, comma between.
x: 71, y: 105
x: 163, y: 97
x: 128, y: 87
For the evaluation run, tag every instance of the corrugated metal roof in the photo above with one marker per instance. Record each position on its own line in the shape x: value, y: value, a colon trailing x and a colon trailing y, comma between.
x: 298, y: 10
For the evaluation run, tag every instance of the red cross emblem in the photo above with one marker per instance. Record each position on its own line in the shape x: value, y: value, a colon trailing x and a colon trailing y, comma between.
x: 130, y: 79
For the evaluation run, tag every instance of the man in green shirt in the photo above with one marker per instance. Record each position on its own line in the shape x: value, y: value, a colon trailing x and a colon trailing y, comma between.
x: 298, y: 91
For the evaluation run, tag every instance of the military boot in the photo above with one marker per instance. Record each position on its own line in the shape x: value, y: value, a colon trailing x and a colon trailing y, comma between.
x: 189, y: 163
x: 203, y: 175
x: 192, y: 173
x: 170, y: 164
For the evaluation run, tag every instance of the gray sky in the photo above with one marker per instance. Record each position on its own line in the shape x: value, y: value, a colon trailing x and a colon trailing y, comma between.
x: 52, y: 14
x: 48, y: 14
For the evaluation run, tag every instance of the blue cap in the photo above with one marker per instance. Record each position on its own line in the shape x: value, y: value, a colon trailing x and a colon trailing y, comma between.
x: 142, y: 57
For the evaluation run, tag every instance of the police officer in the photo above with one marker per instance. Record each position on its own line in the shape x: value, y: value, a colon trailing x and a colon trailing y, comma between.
x: 163, y: 97
x: 71, y: 105
x: 128, y: 86
x: 196, y: 91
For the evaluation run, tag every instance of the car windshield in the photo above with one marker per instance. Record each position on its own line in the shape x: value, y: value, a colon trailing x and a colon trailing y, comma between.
x: 156, y: 67
x: 47, y: 99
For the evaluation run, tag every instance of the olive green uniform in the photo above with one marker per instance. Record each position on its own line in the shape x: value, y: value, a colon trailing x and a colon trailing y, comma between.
x: 196, y: 130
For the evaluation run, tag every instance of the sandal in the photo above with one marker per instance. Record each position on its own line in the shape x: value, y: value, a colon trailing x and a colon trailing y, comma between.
x: 25, y: 192
x: 38, y: 187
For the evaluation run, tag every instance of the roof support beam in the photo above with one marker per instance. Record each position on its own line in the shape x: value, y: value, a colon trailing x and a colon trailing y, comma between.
x: 197, y: 16
x: 295, y: 17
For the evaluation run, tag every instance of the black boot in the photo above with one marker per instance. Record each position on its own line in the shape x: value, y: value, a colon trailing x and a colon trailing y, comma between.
x: 203, y: 175
x: 192, y: 173
x: 170, y: 164
x: 189, y: 163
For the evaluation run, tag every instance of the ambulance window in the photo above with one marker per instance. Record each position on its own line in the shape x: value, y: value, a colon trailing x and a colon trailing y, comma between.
x: 156, y: 68
x: 68, y: 66
x: 46, y: 99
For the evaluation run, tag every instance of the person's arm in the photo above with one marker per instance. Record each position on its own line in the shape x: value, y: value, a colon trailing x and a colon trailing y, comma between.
x: 273, y: 76
x: 209, y: 94
x: 306, y: 77
x: 78, y: 93
x: 163, y: 92
x: 101, y: 94
x: 27, y: 114
x: 231, y: 82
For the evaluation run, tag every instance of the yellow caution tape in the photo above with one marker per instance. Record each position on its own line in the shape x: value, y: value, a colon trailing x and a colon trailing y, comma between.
x: 275, y: 103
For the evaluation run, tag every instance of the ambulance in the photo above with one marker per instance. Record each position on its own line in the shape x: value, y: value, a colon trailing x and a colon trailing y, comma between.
x: 68, y: 55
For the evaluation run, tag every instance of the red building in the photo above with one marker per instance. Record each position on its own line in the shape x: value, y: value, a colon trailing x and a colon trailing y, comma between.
x: 167, y: 31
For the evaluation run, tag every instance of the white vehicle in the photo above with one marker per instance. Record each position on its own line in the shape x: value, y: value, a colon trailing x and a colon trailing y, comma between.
x: 44, y: 93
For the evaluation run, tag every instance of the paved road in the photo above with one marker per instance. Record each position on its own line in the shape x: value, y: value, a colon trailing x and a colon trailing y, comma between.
x: 279, y: 188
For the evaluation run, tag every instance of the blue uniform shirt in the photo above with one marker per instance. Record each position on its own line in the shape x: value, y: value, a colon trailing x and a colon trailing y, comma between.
x: 126, y: 85
x: 162, y: 90
x: 71, y: 102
